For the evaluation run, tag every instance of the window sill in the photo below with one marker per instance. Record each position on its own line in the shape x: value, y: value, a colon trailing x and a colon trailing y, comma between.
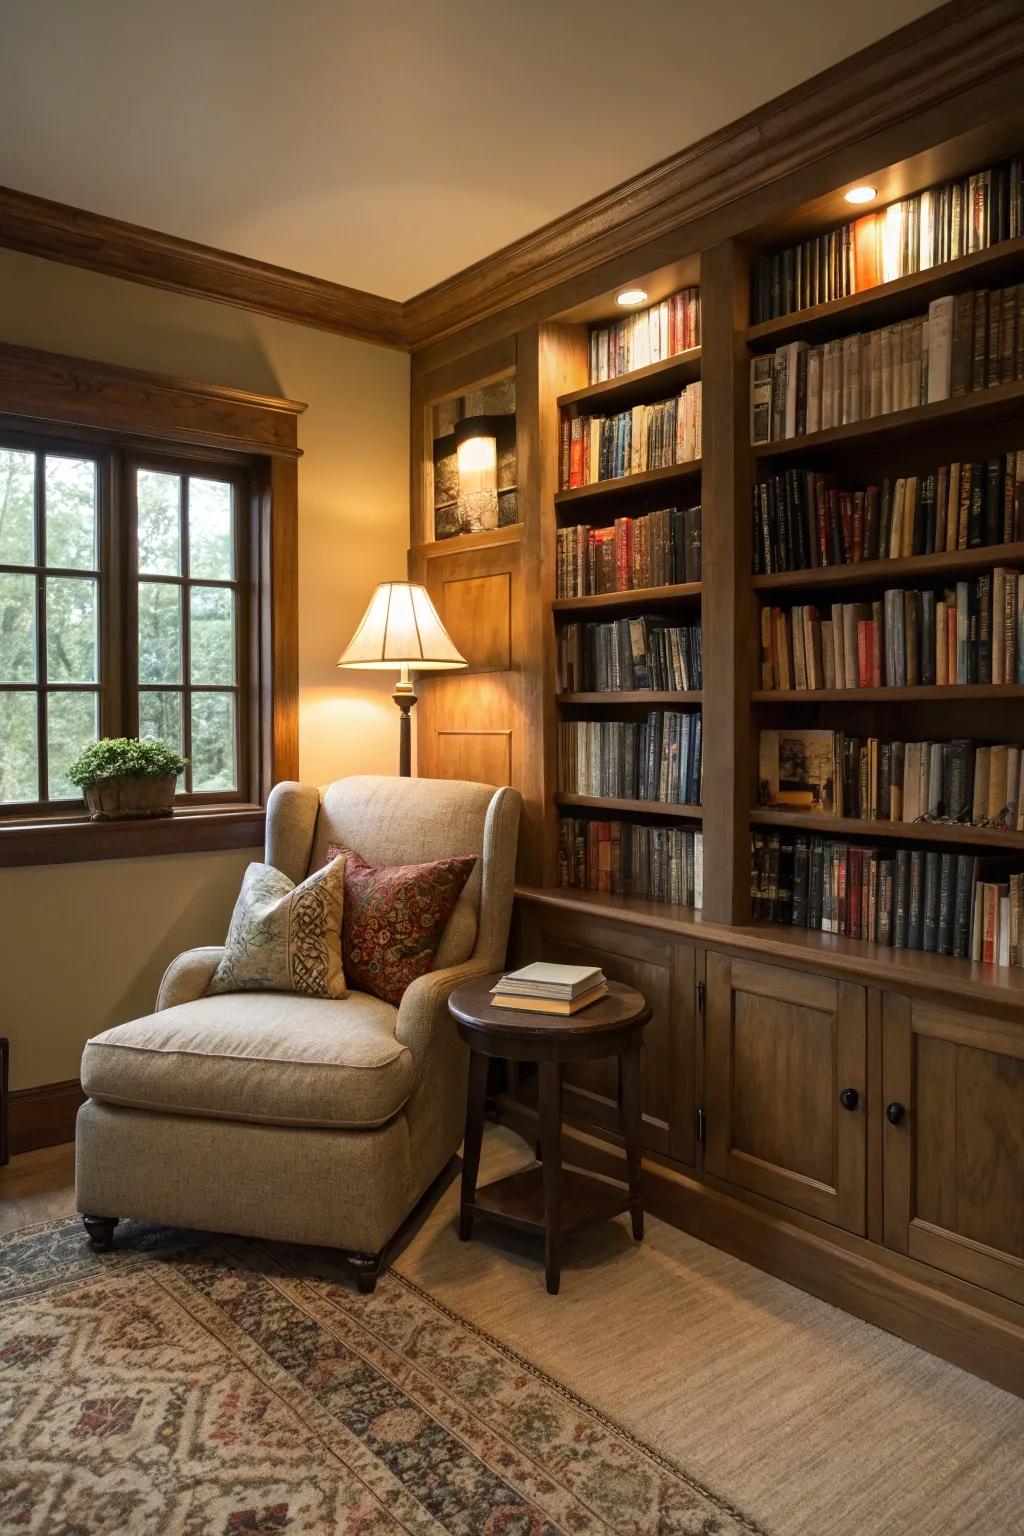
x: 73, y: 839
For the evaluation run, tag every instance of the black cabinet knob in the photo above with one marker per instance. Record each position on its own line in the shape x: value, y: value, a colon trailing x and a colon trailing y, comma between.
x: 849, y: 1098
x: 894, y: 1113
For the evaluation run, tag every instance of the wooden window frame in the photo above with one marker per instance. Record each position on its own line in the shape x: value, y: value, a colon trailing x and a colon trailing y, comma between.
x: 128, y: 419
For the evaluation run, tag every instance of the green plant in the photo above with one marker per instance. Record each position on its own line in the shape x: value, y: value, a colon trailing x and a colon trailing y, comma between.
x: 115, y: 756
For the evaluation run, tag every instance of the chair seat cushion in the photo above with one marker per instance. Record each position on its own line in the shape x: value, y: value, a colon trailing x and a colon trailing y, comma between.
x: 266, y: 1057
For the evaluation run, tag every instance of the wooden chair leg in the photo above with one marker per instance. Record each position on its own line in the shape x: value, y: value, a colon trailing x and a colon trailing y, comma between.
x: 100, y: 1230
x: 549, y: 1075
x: 475, y: 1105
x: 631, y: 1121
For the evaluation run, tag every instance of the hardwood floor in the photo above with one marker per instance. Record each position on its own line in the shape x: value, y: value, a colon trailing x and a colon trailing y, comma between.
x: 37, y: 1186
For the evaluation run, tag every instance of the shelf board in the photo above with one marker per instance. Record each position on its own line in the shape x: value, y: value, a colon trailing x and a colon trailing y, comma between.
x: 633, y: 696
x: 902, y: 831
x: 991, y: 691
x: 638, y: 387
x: 980, y: 406
x: 948, y: 563
x: 903, y: 297
x: 854, y: 959
x: 633, y: 807
x: 649, y: 479
x: 614, y: 602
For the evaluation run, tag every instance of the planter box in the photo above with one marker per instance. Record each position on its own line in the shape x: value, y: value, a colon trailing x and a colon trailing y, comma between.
x: 130, y: 797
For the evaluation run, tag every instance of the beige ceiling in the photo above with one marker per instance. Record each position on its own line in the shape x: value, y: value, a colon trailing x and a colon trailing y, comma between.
x: 384, y: 145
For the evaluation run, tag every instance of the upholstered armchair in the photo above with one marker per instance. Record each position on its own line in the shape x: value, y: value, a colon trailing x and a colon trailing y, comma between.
x: 302, y: 1119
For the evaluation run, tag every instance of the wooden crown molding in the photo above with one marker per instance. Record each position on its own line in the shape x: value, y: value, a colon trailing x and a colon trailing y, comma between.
x: 81, y: 239
x: 943, y: 54
x: 45, y: 386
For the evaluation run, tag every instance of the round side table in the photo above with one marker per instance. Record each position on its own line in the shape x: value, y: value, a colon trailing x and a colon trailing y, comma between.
x: 548, y: 1200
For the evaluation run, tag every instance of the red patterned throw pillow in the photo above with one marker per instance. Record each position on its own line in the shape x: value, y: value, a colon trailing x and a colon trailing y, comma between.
x: 394, y: 919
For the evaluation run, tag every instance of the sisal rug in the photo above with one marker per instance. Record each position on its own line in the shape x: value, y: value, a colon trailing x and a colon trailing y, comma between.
x: 199, y: 1386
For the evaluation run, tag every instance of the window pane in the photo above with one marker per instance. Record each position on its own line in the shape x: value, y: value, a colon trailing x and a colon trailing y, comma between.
x: 17, y: 629
x: 159, y: 632
x: 213, y: 741
x: 211, y: 634
x: 71, y: 645
x: 71, y: 513
x: 210, y: 551
x: 70, y: 726
x: 19, y: 769
x: 160, y: 717
x: 17, y: 508
x: 159, y: 531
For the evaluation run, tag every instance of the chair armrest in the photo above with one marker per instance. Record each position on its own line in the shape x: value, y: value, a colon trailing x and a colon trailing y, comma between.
x: 187, y: 977
x: 425, y: 1002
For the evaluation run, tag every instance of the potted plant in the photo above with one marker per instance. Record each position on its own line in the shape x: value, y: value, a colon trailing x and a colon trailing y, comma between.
x: 122, y: 777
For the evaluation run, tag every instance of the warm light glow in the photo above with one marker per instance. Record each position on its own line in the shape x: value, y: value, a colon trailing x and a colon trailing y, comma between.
x: 861, y: 194
x: 400, y: 628
x: 630, y: 296
x: 478, y: 457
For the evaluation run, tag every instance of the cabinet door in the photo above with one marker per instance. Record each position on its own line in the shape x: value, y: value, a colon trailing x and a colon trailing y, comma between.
x: 663, y: 971
x: 954, y: 1159
x: 780, y: 1047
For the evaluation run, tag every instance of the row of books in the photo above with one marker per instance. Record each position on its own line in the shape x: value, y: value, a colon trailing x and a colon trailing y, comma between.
x: 629, y: 654
x: 655, y: 759
x: 970, y: 633
x: 908, y: 898
x: 656, y: 550
x: 912, y: 235
x: 966, y: 342
x: 646, y: 336
x: 624, y: 858
x: 596, y: 448
x: 802, y: 519
x: 832, y: 773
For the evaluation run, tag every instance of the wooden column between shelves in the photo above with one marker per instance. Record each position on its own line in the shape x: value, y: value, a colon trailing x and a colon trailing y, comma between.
x: 728, y: 607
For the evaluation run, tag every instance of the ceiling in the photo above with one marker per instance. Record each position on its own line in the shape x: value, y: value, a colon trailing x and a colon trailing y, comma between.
x: 384, y: 145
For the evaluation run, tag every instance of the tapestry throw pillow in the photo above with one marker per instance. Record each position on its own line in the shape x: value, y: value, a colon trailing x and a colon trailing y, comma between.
x: 395, y: 918
x: 285, y: 937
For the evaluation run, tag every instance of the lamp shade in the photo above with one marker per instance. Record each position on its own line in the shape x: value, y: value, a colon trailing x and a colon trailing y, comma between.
x: 400, y: 628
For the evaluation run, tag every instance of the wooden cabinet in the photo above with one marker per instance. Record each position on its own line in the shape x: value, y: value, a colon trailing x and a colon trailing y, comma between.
x: 953, y: 1084
x: 785, y: 1065
x: 664, y: 972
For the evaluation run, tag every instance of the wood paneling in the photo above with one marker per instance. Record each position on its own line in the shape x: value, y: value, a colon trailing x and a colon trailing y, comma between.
x: 83, y: 239
x: 44, y: 1116
x: 478, y: 617
x: 780, y: 1047
x: 485, y: 757
x: 954, y: 1159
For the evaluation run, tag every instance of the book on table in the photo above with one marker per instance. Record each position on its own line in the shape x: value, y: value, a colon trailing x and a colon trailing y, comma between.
x: 545, y: 988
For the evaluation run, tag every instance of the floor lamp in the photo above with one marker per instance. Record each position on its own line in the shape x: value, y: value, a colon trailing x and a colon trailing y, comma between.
x: 400, y: 629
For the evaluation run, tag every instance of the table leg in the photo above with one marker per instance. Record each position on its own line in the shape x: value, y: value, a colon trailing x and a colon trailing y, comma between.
x: 631, y: 1122
x: 476, y: 1100
x: 549, y: 1074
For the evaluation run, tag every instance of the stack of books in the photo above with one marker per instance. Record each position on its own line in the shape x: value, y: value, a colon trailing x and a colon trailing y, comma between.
x: 653, y: 436
x: 544, y: 988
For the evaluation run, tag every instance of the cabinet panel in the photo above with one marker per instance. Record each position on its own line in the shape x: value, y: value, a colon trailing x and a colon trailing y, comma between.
x: 780, y: 1048
x: 954, y: 1159
x: 664, y: 972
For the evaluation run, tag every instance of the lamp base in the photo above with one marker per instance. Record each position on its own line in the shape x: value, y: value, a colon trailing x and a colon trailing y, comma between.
x: 405, y: 698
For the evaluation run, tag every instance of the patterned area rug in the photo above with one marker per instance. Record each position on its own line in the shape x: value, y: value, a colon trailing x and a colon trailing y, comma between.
x: 199, y: 1386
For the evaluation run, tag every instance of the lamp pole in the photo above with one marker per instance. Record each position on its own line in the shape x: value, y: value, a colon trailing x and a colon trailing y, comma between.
x: 405, y: 698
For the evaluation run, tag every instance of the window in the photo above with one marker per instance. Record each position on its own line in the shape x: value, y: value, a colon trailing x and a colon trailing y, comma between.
x: 124, y: 586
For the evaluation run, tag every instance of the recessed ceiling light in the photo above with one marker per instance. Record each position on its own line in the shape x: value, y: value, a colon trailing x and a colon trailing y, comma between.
x: 631, y: 296
x: 861, y: 194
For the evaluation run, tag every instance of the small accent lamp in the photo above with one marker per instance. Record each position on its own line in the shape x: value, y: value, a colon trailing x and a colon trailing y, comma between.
x: 476, y: 450
x: 400, y: 628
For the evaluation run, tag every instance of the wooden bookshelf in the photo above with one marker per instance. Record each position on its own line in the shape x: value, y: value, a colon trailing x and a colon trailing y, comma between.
x: 641, y: 387
x: 632, y: 696
x: 634, y: 597
x: 954, y: 562
x: 628, y: 485
x: 896, y: 831
x: 629, y: 807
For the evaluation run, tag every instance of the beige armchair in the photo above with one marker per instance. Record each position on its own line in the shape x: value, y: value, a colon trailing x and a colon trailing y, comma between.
x: 303, y: 1119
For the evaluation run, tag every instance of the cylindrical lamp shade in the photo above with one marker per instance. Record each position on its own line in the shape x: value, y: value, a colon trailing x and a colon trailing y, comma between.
x: 400, y: 628
x: 476, y: 450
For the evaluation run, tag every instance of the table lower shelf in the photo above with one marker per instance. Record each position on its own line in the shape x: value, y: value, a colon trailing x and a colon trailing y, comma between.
x: 518, y: 1200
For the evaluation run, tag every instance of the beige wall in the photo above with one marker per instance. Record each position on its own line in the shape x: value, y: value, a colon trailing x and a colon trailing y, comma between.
x: 82, y: 946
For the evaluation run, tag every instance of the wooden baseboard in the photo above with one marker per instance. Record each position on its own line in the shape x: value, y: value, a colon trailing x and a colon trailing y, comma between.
x: 983, y: 1343
x: 44, y: 1116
